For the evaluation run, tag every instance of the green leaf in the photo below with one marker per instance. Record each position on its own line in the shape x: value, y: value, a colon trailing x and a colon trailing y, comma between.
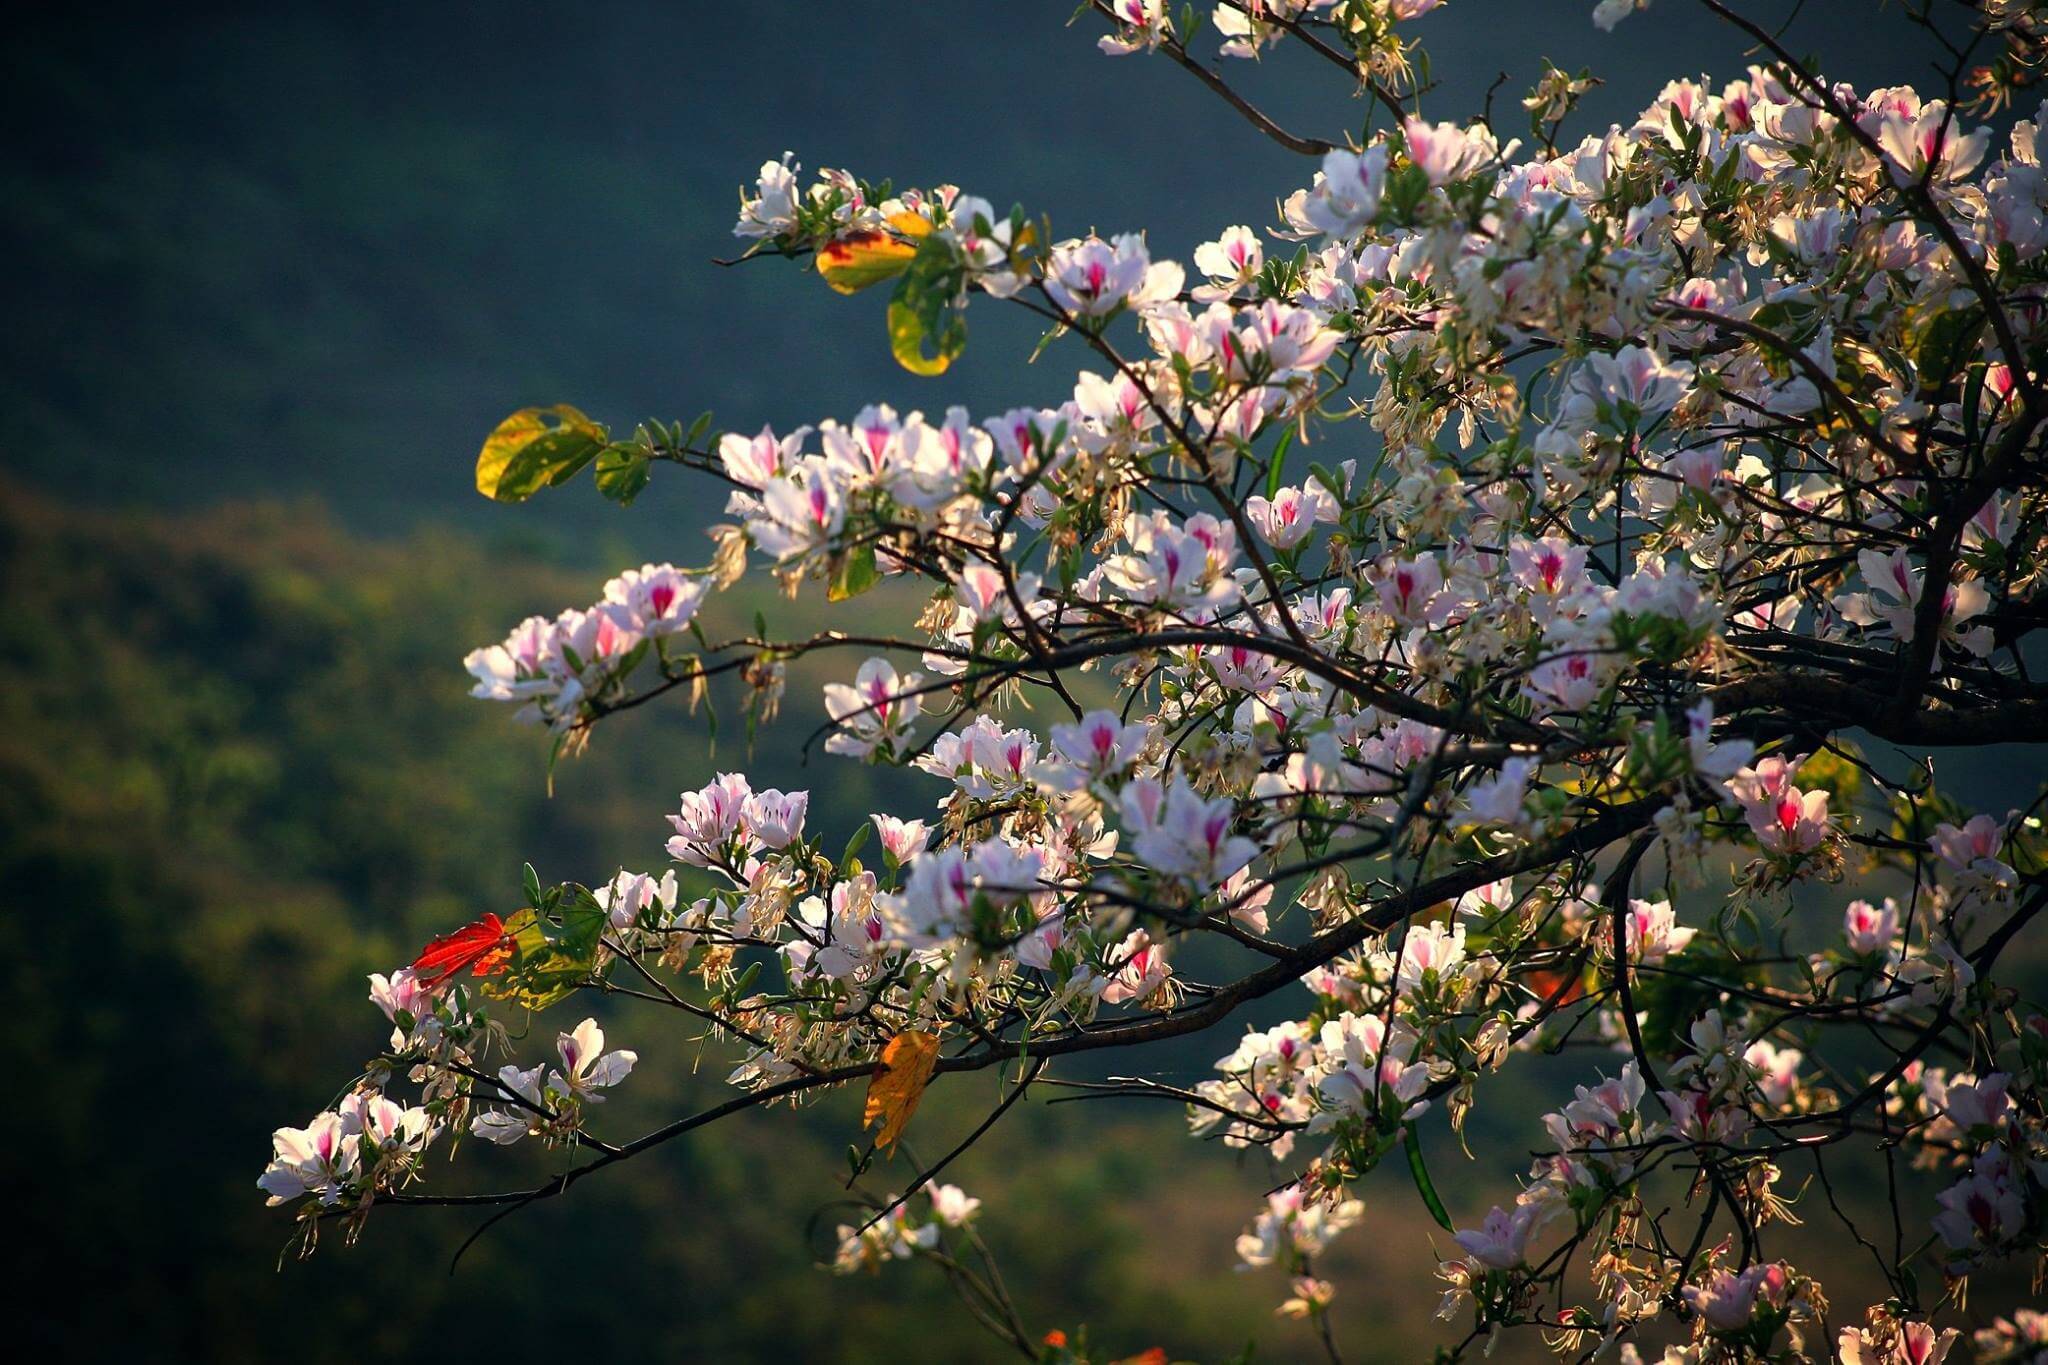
x: 622, y: 471
x: 1423, y: 1186
x: 855, y: 845
x: 1946, y: 345
x: 927, y: 331
x: 550, y: 961
x: 536, y: 448
x: 857, y: 573
x: 1278, y: 464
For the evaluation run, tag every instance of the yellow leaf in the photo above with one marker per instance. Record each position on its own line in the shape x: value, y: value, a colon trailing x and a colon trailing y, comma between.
x: 911, y: 224
x: 898, y: 1084
x: 551, y: 439
x: 869, y: 256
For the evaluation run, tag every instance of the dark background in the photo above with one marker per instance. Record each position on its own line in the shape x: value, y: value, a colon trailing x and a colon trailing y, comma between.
x: 275, y: 270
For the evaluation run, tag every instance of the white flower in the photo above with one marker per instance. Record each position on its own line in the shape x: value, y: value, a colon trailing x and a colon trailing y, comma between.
x: 876, y: 712
x: 319, y: 1159
x: 772, y: 209
x: 1347, y: 194
x: 586, y: 1067
x: 1501, y: 1241
x: 951, y: 1206
x: 1093, y: 278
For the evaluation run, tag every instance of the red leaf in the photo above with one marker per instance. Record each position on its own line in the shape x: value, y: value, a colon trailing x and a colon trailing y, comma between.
x: 482, y: 946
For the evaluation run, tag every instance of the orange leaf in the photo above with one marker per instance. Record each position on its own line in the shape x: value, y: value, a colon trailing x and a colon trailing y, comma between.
x: 1562, y: 988
x: 1155, y: 1356
x: 898, y: 1084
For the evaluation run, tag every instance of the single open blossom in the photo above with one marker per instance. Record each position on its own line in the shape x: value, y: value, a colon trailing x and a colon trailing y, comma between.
x: 800, y: 512
x: 1499, y: 799
x: 1894, y: 602
x: 775, y: 819
x: 1140, y: 26
x: 1230, y: 262
x: 1912, y: 1343
x: 1970, y: 1103
x: 318, y: 1160
x: 1638, y: 379
x: 1093, y: 277
x: 904, y: 839
x: 771, y: 211
x: 655, y: 600
x: 952, y: 1206
x: 1653, y: 932
x: 1141, y: 968
x: 1982, y: 1210
x: 757, y: 461
x: 1727, y: 1301
x: 1098, y: 745
x: 1791, y: 822
x: 1868, y: 928
x: 1921, y: 140
x: 586, y: 1067
x: 1348, y: 195
x: 1550, y: 567
x: 1287, y: 518
x: 1446, y: 152
x: 1776, y: 1068
x: 1978, y: 840
x: 1183, y: 834
x: 877, y: 710
x: 1501, y: 1241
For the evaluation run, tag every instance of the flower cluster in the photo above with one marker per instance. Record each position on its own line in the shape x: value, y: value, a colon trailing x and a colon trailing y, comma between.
x: 1487, y: 606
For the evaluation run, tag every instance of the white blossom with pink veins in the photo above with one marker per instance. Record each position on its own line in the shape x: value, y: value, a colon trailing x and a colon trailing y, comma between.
x: 1093, y: 278
x: 876, y: 711
x: 1894, y: 602
x: 1347, y: 194
x: 1868, y: 928
x: 1138, y: 968
x: 1638, y: 379
x: 1099, y: 745
x: 1501, y: 1241
x: 775, y: 819
x: 1446, y: 152
x: 1141, y: 25
x: 1916, y: 1343
x: 800, y: 513
x: 655, y: 599
x: 1181, y: 834
x: 586, y: 1067
x: 771, y: 211
x: 319, y: 1159
x: 1654, y: 932
x: 1728, y: 1301
x: 1287, y: 518
x: 1231, y: 262
x: 759, y: 460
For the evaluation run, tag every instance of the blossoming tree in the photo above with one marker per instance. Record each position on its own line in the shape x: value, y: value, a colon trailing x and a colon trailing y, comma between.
x: 1474, y: 602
